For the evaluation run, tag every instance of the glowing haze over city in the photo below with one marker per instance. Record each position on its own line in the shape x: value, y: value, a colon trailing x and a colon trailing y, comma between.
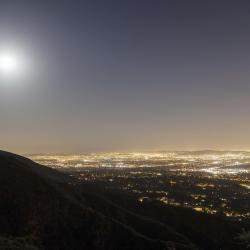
x: 127, y: 76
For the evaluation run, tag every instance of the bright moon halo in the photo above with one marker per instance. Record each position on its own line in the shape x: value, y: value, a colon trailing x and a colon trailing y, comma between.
x: 9, y: 63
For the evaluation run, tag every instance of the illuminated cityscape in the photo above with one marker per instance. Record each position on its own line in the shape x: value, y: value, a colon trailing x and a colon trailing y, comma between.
x: 212, y: 182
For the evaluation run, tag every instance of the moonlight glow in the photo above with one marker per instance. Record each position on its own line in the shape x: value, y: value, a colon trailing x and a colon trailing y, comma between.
x: 10, y: 63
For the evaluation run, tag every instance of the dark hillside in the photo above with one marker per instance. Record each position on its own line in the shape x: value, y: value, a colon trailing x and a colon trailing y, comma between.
x: 206, y: 231
x: 38, y: 210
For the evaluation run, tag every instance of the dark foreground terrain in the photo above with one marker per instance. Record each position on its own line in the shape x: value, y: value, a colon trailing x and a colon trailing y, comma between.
x: 41, y: 208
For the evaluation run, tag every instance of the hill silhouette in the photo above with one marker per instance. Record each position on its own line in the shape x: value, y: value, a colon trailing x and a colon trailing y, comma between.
x: 40, y: 210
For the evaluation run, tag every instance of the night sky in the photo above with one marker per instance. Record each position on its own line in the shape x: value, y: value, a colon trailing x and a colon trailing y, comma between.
x: 125, y: 75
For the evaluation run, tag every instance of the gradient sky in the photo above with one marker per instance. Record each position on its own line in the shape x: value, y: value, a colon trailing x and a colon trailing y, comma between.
x: 126, y: 75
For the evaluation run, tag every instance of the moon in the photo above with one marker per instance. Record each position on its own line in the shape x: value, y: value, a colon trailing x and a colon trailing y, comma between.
x: 10, y: 63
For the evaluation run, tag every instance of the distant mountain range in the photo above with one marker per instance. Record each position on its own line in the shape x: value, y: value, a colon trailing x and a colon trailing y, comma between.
x: 41, y: 209
x: 206, y: 151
